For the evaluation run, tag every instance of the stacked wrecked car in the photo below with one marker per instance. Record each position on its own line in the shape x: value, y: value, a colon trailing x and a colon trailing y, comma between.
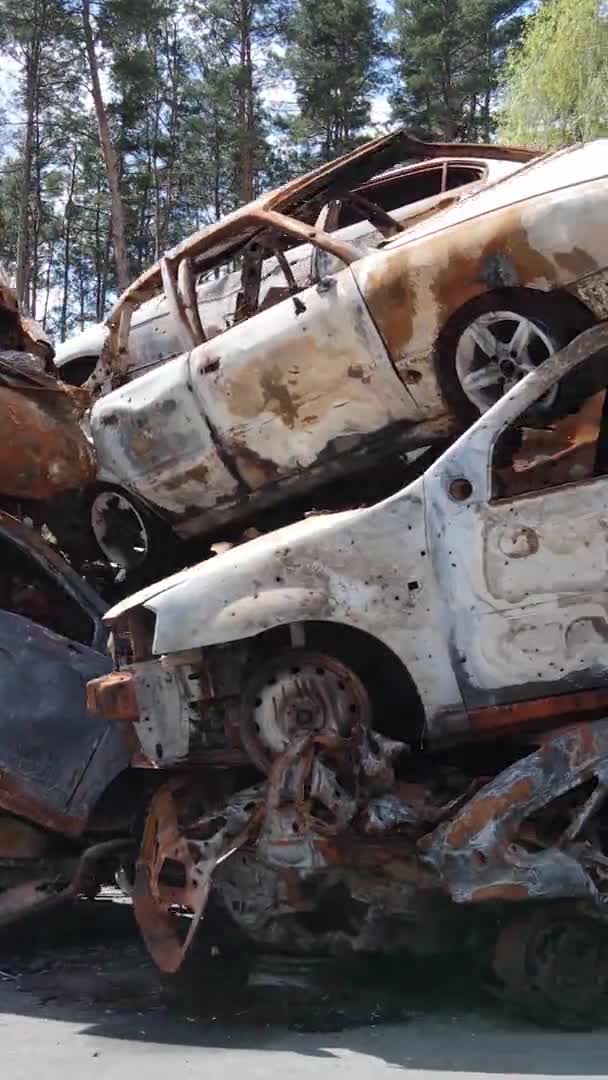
x: 371, y: 716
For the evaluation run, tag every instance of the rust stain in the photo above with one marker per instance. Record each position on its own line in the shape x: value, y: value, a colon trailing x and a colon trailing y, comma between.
x: 197, y: 474
x: 536, y: 711
x: 446, y: 271
x: 356, y: 371
x: 17, y: 800
x: 504, y: 891
x: 277, y: 397
x: 484, y: 809
x: 113, y: 696
x: 390, y: 296
x: 314, y: 381
x: 44, y: 449
x: 575, y: 260
x: 585, y: 749
x: 256, y: 471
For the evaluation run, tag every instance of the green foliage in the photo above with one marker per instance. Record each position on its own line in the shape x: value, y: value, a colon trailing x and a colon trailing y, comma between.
x: 334, y: 58
x: 449, y: 54
x: 556, y: 83
x: 210, y: 102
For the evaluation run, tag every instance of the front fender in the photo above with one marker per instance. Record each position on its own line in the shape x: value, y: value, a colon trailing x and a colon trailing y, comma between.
x: 178, y: 625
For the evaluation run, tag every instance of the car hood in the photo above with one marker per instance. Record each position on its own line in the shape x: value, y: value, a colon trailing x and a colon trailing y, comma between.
x: 90, y: 341
x: 253, y: 551
x: 315, y: 569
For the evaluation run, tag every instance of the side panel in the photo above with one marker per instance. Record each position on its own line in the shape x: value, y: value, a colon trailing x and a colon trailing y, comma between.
x: 308, y: 377
x: 152, y: 437
x: 524, y: 581
x: 415, y: 285
x: 48, y: 741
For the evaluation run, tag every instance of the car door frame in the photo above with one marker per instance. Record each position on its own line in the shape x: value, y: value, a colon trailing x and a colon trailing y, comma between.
x: 460, y: 512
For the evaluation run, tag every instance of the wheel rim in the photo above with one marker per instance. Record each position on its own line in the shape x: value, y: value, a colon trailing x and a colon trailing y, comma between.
x: 560, y: 961
x: 298, y: 693
x: 495, y: 351
x: 119, y: 529
x: 565, y: 963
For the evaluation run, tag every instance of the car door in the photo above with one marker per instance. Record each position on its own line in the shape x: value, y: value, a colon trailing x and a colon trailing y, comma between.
x: 517, y: 520
x: 55, y: 757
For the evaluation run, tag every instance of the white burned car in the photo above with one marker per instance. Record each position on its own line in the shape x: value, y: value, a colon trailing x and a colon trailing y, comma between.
x: 346, y: 349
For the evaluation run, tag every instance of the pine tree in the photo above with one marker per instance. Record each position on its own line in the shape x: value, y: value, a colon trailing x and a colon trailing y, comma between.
x: 334, y: 57
x: 234, y: 36
x: 449, y: 54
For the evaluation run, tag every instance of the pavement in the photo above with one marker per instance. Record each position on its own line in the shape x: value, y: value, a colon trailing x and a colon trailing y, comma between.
x: 78, y: 998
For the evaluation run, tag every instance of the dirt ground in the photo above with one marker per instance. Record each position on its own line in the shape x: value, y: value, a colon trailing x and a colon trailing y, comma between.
x: 79, y: 997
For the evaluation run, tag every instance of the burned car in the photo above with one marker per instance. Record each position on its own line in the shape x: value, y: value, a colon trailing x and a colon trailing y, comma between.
x: 406, y: 192
x: 375, y: 722
x: 57, y: 760
x: 45, y: 451
x: 377, y: 354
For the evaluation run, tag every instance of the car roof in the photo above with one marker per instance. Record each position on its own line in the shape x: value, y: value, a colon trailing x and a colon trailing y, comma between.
x: 218, y: 241
x: 496, y: 161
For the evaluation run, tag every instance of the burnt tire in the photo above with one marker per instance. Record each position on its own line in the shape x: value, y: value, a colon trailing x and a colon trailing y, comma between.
x: 552, y: 966
x: 128, y: 534
x: 553, y: 322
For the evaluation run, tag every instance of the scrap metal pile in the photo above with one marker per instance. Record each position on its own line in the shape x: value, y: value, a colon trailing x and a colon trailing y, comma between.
x: 376, y: 729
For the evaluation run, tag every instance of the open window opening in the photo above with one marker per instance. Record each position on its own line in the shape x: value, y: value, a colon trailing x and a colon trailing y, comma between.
x: 537, y: 453
x: 390, y: 193
x: 26, y: 589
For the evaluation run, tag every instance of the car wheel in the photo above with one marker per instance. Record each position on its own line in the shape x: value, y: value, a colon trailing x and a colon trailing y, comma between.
x: 484, y: 352
x: 552, y: 965
x: 295, y: 693
x: 127, y: 533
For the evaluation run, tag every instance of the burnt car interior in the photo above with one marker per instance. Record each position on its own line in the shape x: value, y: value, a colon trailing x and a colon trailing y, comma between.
x: 26, y: 589
x: 391, y: 192
x: 535, y: 452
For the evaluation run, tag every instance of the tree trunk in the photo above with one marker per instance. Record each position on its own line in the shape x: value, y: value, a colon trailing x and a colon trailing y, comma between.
x: 34, y: 260
x: 487, y: 101
x: 246, y: 110
x: 109, y: 154
x: 47, y: 283
x: 32, y: 67
x: 67, y: 249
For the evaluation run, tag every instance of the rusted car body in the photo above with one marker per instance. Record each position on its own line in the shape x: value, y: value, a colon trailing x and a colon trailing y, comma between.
x: 386, y: 352
x: 45, y: 452
x: 57, y: 761
x: 363, y: 717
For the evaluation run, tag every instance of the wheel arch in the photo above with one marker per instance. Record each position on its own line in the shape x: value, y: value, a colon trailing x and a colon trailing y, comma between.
x: 567, y: 309
x: 397, y: 707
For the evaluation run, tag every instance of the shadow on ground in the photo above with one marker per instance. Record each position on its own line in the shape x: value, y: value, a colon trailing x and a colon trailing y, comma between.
x: 85, y: 964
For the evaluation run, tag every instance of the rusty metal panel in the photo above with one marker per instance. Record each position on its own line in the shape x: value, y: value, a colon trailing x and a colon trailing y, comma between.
x: 113, y: 696
x: 45, y: 451
x: 477, y: 852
